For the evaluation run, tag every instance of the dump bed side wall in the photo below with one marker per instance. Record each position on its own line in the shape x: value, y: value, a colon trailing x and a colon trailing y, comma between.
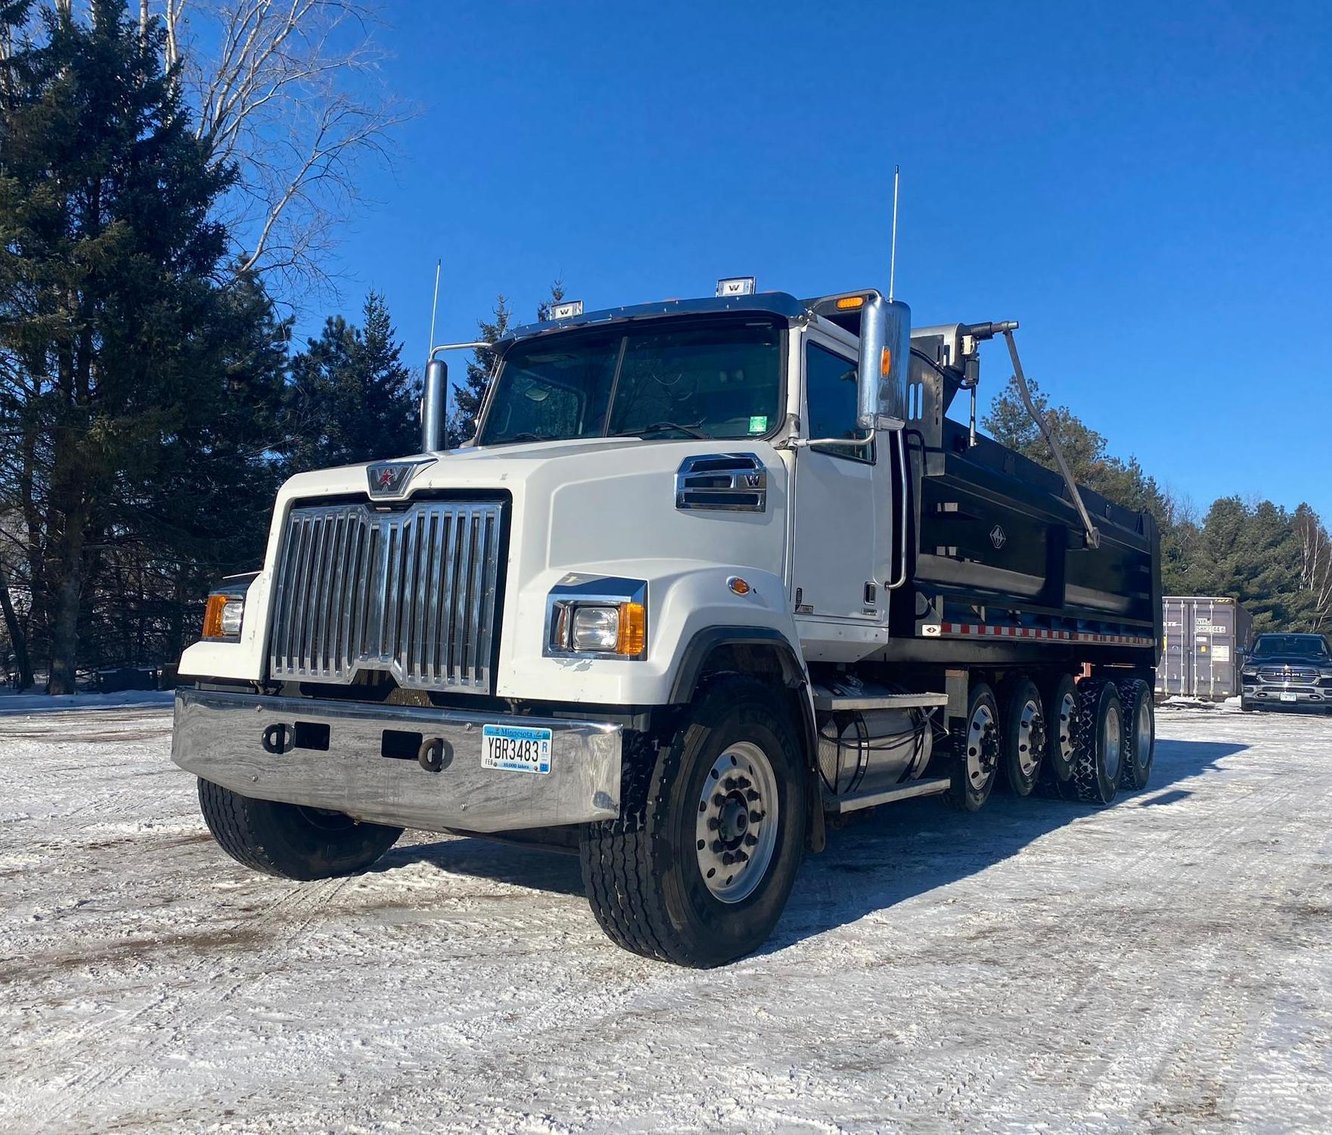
x: 998, y: 535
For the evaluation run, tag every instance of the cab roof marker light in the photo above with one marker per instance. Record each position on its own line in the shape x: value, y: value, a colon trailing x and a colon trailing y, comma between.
x: 567, y: 310
x: 736, y: 286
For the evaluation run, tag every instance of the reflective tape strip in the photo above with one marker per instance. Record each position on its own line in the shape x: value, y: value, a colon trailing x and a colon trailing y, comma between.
x: 1038, y: 634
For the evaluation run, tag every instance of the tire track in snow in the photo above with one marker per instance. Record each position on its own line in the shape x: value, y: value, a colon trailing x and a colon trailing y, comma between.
x: 196, y: 1000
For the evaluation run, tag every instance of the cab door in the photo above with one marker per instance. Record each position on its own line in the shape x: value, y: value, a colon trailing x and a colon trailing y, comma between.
x: 837, y: 561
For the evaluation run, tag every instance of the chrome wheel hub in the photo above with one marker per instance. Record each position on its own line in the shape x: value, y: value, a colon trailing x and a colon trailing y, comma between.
x: 982, y: 746
x: 1068, y: 708
x: 735, y: 834
x: 1112, y: 742
x: 1030, y: 739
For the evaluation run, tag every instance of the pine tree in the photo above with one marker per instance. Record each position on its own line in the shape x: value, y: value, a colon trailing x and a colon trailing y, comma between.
x: 108, y: 293
x: 471, y: 396
x: 351, y: 398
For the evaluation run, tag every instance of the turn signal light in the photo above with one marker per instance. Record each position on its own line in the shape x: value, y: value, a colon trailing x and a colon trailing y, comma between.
x: 633, y: 629
x: 212, y: 627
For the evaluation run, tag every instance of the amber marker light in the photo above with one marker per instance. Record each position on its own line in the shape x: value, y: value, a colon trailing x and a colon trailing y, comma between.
x: 212, y: 627
x: 850, y: 303
x: 632, y: 637
x: 738, y: 585
x: 886, y: 363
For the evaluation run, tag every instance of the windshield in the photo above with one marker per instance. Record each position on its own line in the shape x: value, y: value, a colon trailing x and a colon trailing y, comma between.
x: 1307, y: 644
x: 713, y: 378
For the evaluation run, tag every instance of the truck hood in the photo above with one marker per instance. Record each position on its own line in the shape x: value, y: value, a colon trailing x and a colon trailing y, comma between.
x: 495, y: 466
x: 1318, y: 661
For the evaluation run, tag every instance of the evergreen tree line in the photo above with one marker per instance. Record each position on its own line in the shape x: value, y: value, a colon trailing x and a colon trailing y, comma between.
x: 150, y: 398
x: 1276, y: 562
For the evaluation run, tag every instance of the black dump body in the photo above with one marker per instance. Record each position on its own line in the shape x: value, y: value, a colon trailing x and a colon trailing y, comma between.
x: 999, y: 564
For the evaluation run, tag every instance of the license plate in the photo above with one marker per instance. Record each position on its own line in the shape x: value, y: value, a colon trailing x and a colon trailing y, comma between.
x: 516, y: 748
x: 1289, y: 697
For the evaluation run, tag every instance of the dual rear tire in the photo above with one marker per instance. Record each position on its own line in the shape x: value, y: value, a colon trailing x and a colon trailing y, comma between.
x: 1083, y: 742
x: 1114, y: 740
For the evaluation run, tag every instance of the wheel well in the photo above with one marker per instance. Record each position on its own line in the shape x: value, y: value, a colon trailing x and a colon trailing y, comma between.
x: 769, y: 659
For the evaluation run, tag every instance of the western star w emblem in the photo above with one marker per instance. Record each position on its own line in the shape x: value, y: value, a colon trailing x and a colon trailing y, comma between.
x: 389, y: 478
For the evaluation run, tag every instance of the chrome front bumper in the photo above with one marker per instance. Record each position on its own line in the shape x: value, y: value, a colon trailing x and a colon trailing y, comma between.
x: 362, y: 759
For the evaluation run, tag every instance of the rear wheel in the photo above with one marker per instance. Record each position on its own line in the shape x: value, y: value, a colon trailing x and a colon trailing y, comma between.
x: 1061, y: 709
x: 290, y: 840
x: 699, y: 867
x: 977, y: 747
x: 1139, y: 733
x: 1098, y: 743
x: 1024, y: 736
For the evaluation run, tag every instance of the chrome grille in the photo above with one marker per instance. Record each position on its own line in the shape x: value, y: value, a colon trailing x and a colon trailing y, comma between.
x: 1288, y: 674
x: 412, y: 593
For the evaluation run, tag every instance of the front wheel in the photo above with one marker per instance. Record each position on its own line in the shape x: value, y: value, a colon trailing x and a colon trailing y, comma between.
x: 289, y: 840
x: 699, y: 867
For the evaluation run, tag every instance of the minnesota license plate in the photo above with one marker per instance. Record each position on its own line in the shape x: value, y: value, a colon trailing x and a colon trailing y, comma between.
x: 516, y: 748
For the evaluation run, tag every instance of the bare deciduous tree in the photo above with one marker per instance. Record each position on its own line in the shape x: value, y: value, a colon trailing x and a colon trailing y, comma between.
x: 289, y: 93
x: 1315, y: 564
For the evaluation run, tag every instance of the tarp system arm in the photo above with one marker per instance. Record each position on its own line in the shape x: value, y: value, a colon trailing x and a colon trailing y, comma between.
x: 1093, y: 534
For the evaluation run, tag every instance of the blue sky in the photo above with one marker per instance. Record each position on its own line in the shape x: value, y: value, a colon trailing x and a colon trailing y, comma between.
x: 1146, y: 187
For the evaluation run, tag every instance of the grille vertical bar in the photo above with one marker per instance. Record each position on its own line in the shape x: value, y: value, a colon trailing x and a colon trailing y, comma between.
x: 412, y: 593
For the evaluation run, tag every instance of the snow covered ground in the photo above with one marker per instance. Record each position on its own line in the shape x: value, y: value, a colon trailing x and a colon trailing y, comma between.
x: 1162, y: 965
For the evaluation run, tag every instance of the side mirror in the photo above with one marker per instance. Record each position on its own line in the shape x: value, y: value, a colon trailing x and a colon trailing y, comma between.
x: 885, y: 346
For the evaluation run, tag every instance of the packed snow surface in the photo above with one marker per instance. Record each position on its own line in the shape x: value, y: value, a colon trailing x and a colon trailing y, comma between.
x: 1164, y: 964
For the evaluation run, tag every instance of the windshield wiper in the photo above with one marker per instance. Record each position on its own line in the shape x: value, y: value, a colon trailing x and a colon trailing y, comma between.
x: 658, y: 427
x: 522, y: 437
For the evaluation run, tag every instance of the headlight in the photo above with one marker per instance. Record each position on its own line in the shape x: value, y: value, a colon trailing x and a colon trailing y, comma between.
x: 1250, y: 674
x: 596, y: 628
x: 225, y: 613
x: 598, y: 616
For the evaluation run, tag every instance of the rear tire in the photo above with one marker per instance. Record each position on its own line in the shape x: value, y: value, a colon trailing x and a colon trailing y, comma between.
x: 1139, y: 734
x: 288, y: 840
x: 652, y: 887
x: 1024, y: 736
x: 1061, y: 715
x: 977, y: 750
x: 1098, y: 747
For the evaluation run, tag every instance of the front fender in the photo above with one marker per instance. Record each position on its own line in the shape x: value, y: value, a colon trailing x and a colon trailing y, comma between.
x: 688, y: 606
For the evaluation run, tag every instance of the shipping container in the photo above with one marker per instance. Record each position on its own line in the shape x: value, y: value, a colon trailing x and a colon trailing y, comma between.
x: 1206, y: 639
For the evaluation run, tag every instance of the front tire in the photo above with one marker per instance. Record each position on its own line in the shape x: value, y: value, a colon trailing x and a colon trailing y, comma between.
x: 288, y: 840
x: 699, y: 867
x: 1098, y: 743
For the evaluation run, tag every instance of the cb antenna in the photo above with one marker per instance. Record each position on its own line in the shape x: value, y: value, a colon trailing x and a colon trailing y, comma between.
x: 434, y: 307
x: 892, y: 255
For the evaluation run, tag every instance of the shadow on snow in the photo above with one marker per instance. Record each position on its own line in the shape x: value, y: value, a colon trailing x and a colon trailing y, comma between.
x: 877, y: 859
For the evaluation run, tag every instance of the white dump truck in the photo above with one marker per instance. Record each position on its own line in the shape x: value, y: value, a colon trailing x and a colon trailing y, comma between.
x: 711, y: 571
